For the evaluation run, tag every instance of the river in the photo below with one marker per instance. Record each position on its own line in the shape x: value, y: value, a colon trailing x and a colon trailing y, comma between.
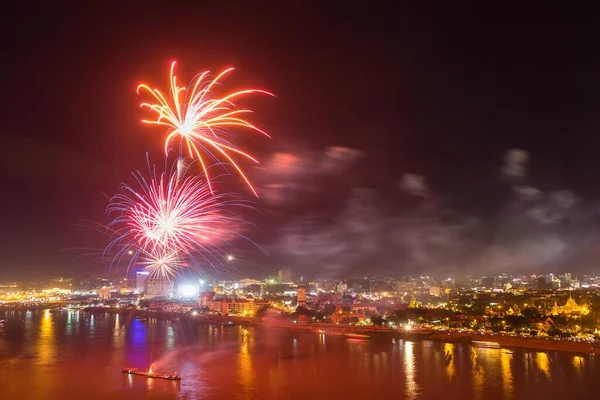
x: 77, y: 355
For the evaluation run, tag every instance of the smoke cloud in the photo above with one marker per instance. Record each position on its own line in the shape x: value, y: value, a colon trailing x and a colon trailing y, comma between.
x: 369, y: 231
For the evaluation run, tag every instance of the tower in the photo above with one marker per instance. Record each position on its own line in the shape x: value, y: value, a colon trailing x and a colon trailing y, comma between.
x: 140, y: 281
x: 301, y: 296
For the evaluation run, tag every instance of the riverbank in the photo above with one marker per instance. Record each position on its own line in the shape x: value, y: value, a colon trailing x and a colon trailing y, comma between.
x: 539, y: 343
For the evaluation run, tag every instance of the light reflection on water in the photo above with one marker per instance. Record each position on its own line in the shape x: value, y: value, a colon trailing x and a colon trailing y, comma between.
x: 543, y: 363
x: 246, y: 370
x: 44, y: 350
x: 46, y: 343
x: 507, y: 377
x: 478, y: 375
x: 449, y: 358
x: 412, y: 388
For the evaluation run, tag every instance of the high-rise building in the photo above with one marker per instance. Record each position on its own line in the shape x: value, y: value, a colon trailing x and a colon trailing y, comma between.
x: 284, y: 275
x: 301, y: 296
x: 140, y: 281
x: 158, y: 288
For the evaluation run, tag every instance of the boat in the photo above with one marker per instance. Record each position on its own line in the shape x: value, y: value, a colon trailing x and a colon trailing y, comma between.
x: 355, y: 336
x: 418, y: 333
x: 150, y: 374
x: 485, y: 345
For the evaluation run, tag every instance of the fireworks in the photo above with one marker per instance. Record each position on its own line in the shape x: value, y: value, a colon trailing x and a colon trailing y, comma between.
x: 169, y: 220
x: 162, y: 264
x: 201, y: 121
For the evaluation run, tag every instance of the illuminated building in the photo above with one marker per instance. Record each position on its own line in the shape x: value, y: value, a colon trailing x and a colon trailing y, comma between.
x: 339, y: 316
x: 140, y: 281
x: 513, y: 310
x: 284, y: 275
x: 158, y: 288
x: 206, y: 298
x: 571, y: 307
x: 188, y: 291
x: 301, y: 296
x: 105, y: 293
x: 413, y: 303
x: 237, y: 306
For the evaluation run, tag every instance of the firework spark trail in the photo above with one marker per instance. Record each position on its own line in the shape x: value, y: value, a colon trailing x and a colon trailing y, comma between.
x: 201, y: 121
x: 162, y: 264
x: 171, y: 218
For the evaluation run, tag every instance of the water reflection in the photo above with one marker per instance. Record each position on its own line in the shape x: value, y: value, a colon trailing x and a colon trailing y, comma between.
x: 477, y: 375
x: 449, y: 360
x: 322, y: 340
x: 261, y: 364
x: 69, y: 328
x: 507, y: 377
x: 118, y: 335
x: 170, y: 338
x: 578, y: 363
x: 46, y: 344
x: 410, y: 371
x: 245, y: 369
x: 543, y: 363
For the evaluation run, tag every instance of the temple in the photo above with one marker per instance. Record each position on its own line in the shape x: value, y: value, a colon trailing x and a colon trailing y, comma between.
x: 570, y: 308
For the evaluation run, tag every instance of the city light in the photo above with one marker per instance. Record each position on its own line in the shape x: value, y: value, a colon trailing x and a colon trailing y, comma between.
x: 188, y: 291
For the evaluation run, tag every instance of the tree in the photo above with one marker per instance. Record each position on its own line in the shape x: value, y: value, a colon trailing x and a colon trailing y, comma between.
x: 328, y: 309
x: 377, y: 320
x: 530, y: 312
x: 262, y: 311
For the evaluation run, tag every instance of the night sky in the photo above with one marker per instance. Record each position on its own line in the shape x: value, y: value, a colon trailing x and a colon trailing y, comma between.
x: 404, y: 140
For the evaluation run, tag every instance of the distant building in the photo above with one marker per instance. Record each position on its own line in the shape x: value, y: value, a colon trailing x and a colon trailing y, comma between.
x: 140, y: 281
x: 284, y: 275
x: 488, y: 282
x: 158, y: 288
x: 61, y: 283
x: 435, y: 291
x: 206, y: 298
x: 105, y: 292
x: 240, y: 307
x: 571, y: 307
x: 301, y: 296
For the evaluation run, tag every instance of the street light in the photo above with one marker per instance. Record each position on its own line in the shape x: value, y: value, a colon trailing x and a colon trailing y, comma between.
x: 230, y: 258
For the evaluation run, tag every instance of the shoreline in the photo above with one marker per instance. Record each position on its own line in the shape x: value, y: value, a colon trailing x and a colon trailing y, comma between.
x: 539, y: 343
x: 504, y: 341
